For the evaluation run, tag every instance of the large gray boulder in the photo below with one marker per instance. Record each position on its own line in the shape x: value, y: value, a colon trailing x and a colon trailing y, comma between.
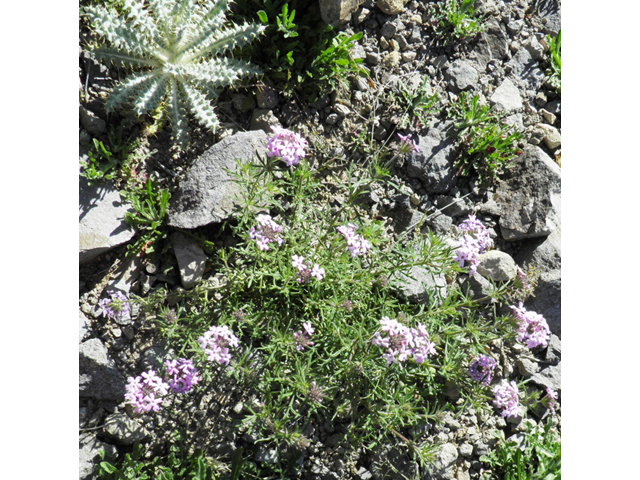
x: 102, y: 224
x: 433, y: 163
x: 207, y: 193
x: 529, y: 196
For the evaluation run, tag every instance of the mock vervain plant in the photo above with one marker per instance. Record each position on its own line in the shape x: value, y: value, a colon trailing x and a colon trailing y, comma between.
x: 179, y: 47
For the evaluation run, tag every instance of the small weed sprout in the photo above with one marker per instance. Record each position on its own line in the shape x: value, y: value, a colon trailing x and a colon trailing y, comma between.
x: 455, y: 18
x: 554, y: 71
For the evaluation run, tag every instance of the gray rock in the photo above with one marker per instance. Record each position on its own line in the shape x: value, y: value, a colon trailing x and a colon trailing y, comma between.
x: 191, y: 259
x: 544, y: 253
x: 420, y: 286
x: 461, y: 75
x: 126, y: 275
x: 373, y: 58
x: 84, y: 326
x: 466, y: 450
x: 497, y: 265
x: 122, y: 430
x: 101, y: 219
x: 444, y: 462
x: 335, y: 12
x: 440, y: 223
x: 333, y: 440
x: 548, y: 300
x: 391, y: 60
x: 549, y: 11
x: 91, y: 122
x: 478, y: 287
x: 98, y: 376
x: 492, y: 45
x: 554, y: 353
x: 266, y: 455
x: 433, y: 164
x: 527, y: 367
x: 550, y: 377
x: 529, y: 196
x: 525, y: 70
x: 535, y: 48
x: 262, y: 119
x: 207, y: 193
x: 89, y: 454
x: 454, y: 206
x: 391, y: 7
x: 388, y: 30
x: 506, y: 98
x: 267, y: 97
x: 550, y: 135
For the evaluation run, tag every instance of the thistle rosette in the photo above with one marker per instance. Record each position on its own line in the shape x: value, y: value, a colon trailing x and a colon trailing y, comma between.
x: 179, y: 44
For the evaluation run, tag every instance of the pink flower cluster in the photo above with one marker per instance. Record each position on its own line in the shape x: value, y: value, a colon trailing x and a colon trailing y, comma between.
x: 402, y: 342
x: 524, y: 280
x: 533, y: 329
x: 356, y: 243
x: 506, y: 398
x: 266, y: 232
x: 216, y: 342
x: 287, y: 145
x: 302, y: 337
x: 145, y: 392
x: 550, y: 398
x: 183, y: 374
x: 304, y: 271
x: 473, y: 243
x: 116, y: 307
x: 407, y: 145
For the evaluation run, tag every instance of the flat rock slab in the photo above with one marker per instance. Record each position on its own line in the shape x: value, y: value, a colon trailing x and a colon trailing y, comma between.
x: 529, y: 196
x: 98, y: 376
x: 207, y: 193
x: 191, y: 259
x: 102, y: 224
x: 433, y: 164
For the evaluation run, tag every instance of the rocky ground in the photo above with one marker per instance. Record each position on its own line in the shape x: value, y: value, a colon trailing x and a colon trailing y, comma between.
x: 504, y: 65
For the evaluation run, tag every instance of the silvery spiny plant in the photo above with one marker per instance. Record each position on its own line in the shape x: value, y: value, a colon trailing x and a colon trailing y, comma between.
x: 179, y: 45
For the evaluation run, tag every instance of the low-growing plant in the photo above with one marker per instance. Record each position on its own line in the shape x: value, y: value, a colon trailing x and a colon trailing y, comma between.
x: 150, y: 209
x: 299, y: 52
x: 487, y: 143
x: 537, y: 457
x: 101, y: 164
x: 179, y: 45
x: 554, y: 71
x: 306, y: 316
x: 456, y: 18
x: 418, y: 105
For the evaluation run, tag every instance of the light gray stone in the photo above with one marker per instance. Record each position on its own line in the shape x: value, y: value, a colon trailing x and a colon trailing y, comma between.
x: 122, y: 430
x: 89, y: 454
x: 433, y: 163
x: 466, y: 450
x: 492, y: 45
x: 263, y: 119
x: 529, y: 196
x: 525, y: 70
x: 544, y: 253
x: 207, y: 193
x: 550, y: 135
x: 391, y: 7
x: 506, y: 97
x: 444, y: 462
x: 336, y: 12
x: 191, y: 259
x: 461, y: 75
x: 497, y: 265
x: 527, y: 367
x: 391, y: 59
x: 91, y: 122
x: 420, y: 286
x: 98, y: 376
x: 101, y: 219
x: 550, y: 377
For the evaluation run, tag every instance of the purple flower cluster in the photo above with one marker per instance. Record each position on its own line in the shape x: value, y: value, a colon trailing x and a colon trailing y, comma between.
x: 145, y: 392
x: 407, y: 145
x: 216, y: 342
x: 302, y: 337
x: 402, y: 342
x: 506, y: 398
x: 183, y: 374
x: 315, y: 393
x: 523, y: 280
x: 116, y: 307
x: 356, y: 243
x: 533, y: 329
x: 475, y: 241
x: 304, y: 271
x: 481, y: 369
x: 287, y: 145
x: 266, y: 232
